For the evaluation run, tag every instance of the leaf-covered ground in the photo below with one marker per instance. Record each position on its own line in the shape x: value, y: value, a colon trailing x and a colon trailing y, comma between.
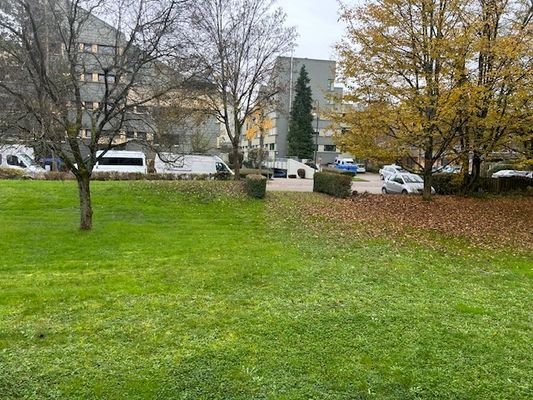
x: 498, y: 222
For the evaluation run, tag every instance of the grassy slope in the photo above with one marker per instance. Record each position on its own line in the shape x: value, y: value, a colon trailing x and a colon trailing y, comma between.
x: 178, y: 296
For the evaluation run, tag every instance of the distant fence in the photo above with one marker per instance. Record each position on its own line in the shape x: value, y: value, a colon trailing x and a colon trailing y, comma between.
x: 502, y: 185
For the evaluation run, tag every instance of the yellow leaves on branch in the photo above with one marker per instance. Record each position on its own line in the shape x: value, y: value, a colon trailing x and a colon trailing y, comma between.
x: 423, y: 72
x: 258, y: 125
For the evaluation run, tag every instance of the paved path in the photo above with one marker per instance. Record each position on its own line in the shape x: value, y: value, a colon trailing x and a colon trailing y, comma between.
x: 306, y: 185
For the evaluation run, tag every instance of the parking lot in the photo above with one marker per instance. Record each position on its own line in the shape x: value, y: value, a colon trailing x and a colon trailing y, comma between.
x: 372, y: 185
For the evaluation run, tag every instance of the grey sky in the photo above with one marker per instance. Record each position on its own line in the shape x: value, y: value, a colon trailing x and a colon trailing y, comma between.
x: 316, y: 22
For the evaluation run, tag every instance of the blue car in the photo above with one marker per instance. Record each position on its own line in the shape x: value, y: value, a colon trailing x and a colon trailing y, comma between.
x: 346, y: 164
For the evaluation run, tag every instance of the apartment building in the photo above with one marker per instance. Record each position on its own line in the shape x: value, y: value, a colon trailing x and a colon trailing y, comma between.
x: 322, y: 82
x: 104, y: 64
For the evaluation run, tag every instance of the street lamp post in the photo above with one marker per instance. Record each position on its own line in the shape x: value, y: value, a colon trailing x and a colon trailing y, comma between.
x: 317, y: 110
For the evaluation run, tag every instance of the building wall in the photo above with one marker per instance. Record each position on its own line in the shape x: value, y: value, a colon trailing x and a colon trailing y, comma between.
x: 322, y: 76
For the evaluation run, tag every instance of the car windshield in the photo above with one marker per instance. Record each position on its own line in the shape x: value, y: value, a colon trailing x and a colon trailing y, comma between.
x: 412, y: 179
x: 27, y: 159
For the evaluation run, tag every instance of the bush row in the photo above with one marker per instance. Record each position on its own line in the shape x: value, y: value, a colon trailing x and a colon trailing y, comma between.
x: 10, y: 173
x: 254, y: 171
x: 338, y: 171
x: 335, y: 184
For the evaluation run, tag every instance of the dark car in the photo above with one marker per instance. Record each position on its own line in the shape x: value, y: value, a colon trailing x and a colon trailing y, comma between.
x: 279, y: 173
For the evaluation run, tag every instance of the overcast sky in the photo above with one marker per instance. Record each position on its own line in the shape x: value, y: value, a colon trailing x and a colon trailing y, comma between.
x: 317, y: 26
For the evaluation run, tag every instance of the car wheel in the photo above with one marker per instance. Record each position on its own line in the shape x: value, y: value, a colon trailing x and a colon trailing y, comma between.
x: 382, y: 177
x: 384, y: 190
x: 405, y: 192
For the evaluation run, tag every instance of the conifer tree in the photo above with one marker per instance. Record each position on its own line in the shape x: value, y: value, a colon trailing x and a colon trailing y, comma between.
x: 300, y: 136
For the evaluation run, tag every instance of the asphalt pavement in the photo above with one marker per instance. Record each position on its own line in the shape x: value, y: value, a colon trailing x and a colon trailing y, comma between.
x: 372, y: 185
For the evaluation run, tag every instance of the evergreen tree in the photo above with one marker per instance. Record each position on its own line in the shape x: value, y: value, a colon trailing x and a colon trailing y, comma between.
x: 300, y: 136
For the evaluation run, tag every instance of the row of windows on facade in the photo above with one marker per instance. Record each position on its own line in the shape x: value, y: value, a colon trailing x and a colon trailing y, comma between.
x: 98, y: 48
x: 95, y: 105
x: 86, y: 134
x: 98, y: 77
x: 272, y: 146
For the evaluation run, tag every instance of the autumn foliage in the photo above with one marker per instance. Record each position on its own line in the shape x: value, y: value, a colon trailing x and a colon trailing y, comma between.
x: 429, y: 79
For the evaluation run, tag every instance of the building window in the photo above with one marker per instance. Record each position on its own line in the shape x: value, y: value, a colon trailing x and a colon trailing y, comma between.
x: 330, y: 147
x: 110, y: 78
x: 88, y: 105
x: 88, y: 77
x: 86, y: 47
x: 272, y: 146
x: 130, y: 134
x: 107, y: 50
x: 141, y: 135
x: 85, y: 133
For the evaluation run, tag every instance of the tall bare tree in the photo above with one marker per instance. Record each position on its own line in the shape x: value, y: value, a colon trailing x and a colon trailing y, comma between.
x: 89, y: 66
x: 236, y: 44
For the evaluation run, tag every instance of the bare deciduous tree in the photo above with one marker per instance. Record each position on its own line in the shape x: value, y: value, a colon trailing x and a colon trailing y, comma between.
x: 71, y: 66
x: 236, y: 44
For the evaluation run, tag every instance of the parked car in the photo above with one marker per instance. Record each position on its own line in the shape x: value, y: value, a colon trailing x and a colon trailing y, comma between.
x: 389, y: 170
x: 279, y: 173
x: 346, y: 164
x: 361, y: 169
x: 190, y: 164
x: 17, y: 157
x: 507, y: 173
x: 404, y: 183
x: 451, y: 169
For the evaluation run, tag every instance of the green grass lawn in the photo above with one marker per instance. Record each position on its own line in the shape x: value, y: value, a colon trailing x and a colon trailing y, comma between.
x: 181, y: 294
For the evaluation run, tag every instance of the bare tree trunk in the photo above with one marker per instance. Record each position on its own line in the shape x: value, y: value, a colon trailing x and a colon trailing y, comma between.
x: 237, y: 161
x: 428, y: 164
x: 86, y: 209
x: 476, y: 171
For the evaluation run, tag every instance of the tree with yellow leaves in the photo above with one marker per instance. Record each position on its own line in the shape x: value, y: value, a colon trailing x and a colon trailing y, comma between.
x: 397, y: 61
x: 435, y: 76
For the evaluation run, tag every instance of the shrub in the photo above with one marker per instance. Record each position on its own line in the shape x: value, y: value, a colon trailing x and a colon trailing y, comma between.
x: 256, y: 186
x: 251, y: 171
x: 301, y: 173
x: 447, y: 183
x: 335, y: 184
x: 11, y: 173
x: 57, y: 176
x: 338, y: 171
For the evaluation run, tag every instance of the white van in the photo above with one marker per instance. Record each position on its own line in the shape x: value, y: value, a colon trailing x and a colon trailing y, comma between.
x: 168, y: 163
x: 17, y: 157
x: 121, y: 161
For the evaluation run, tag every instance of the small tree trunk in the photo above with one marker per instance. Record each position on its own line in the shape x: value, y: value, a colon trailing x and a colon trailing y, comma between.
x: 428, y: 164
x: 476, y: 171
x: 86, y: 209
x: 237, y: 163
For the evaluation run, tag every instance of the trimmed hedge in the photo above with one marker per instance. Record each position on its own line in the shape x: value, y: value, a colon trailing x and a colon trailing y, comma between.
x: 338, y: 171
x: 256, y: 186
x: 11, y: 173
x: 447, y: 183
x: 335, y: 184
x: 267, y: 173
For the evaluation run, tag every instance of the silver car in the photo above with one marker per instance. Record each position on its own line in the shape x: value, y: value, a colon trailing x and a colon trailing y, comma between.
x: 389, y: 170
x: 404, y: 184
